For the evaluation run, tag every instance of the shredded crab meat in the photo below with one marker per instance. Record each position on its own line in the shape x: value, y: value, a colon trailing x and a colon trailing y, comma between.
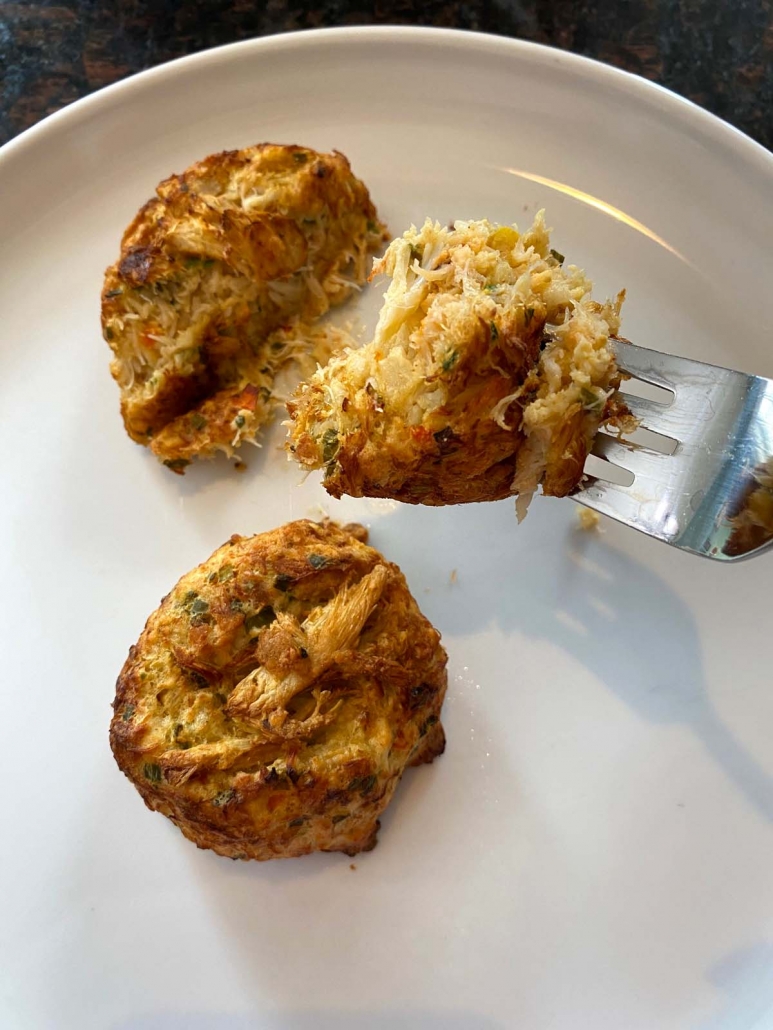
x: 263, y: 695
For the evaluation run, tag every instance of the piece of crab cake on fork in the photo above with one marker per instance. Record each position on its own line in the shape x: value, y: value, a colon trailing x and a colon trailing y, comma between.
x: 490, y: 372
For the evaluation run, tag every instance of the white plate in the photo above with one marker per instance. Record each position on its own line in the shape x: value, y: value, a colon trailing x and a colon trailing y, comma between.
x: 594, y: 849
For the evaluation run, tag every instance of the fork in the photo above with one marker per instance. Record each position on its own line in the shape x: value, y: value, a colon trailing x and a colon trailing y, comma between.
x: 699, y: 476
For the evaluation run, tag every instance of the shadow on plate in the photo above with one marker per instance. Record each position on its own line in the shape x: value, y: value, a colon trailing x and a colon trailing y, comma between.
x: 569, y: 586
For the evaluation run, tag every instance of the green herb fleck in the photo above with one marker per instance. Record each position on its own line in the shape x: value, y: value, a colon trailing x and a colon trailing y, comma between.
x: 449, y: 361
x: 152, y: 772
x: 494, y: 331
x: 491, y: 287
x: 372, y: 226
x: 364, y: 784
x: 239, y: 421
x: 109, y: 333
x: 528, y: 315
x: 198, y: 421
x: 199, y: 262
x: 223, y: 798
x: 591, y: 401
x: 317, y: 561
x: 430, y: 722
x: 225, y: 572
x: 297, y: 822
x: 236, y: 605
x: 415, y: 254
x: 300, y: 157
x: 113, y: 293
x: 199, y: 606
x: 330, y: 445
x: 559, y: 257
x: 127, y: 713
x: 260, y: 619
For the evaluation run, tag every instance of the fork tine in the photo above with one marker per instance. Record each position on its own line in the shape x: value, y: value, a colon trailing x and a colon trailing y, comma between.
x: 648, y: 365
x: 611, y: 499
x: 645, y: 409
x: 640, y: 460
x: 667, y: 419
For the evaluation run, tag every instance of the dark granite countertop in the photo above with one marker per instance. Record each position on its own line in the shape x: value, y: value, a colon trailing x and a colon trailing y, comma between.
x: 718, y: 53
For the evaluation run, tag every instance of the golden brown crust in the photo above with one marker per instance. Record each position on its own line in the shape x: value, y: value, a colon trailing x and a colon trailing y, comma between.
x: 213, y: 274
x: 464, y: 458
x: 274, y: 699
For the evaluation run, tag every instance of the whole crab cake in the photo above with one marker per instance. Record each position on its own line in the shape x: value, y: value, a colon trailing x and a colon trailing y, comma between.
x: 274, y: 699
x: 490, y: 373
x: 219, y: 276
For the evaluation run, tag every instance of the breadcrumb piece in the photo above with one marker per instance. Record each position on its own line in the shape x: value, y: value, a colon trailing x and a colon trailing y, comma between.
x: 588, y: 519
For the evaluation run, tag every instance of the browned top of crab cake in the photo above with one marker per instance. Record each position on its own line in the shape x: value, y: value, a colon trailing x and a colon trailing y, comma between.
x: 275, y: 697
x: 215, y: 274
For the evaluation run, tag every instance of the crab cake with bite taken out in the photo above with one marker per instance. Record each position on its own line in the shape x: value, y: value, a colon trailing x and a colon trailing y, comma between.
x: 489, y: 375
x: 219, y: 278
x: 274, y: 699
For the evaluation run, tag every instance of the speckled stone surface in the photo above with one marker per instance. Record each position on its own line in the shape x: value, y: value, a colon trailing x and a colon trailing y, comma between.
x: 718, y: 53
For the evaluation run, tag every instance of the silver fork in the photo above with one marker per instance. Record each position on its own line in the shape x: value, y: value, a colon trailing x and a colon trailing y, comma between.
x: 691, y: 483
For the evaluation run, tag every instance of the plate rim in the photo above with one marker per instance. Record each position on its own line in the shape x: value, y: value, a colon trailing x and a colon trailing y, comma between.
x: 721, y: 132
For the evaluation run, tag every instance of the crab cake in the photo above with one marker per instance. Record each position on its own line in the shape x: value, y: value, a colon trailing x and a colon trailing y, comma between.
x: 490, y: 373
x: 274, y: 699
x: 218, y: 277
